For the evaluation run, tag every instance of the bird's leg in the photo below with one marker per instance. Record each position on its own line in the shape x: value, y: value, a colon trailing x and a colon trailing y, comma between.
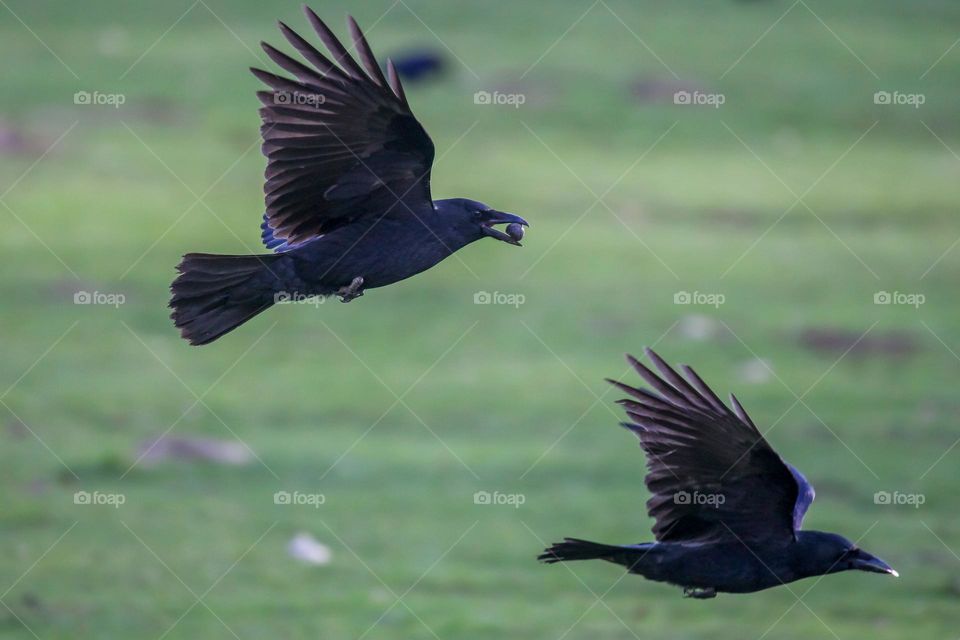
x: 353, y: 290
x: 699, y: 594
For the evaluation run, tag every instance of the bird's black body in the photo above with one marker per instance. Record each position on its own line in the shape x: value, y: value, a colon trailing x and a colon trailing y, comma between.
x: 727, y: 567
x: 347, y: 189
x: 728, y: 509
x: 387, y: 252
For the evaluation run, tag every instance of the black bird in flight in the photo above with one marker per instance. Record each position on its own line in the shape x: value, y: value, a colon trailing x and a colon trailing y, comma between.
x: 728, y: 508
x: 348, y: 203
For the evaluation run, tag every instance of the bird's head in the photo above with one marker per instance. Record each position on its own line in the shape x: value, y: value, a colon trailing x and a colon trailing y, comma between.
x: 470, y: 220
x: 830, y: 553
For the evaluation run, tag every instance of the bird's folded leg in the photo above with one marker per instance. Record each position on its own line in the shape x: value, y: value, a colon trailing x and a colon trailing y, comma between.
x: 700, y: 594
x: 353, y: 290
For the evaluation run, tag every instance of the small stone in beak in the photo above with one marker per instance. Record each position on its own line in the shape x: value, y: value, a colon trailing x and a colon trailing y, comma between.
x: 515, y: 231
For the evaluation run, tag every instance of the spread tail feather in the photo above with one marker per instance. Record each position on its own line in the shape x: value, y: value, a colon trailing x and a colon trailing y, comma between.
x: 215, y: 294
x: 576, y: 549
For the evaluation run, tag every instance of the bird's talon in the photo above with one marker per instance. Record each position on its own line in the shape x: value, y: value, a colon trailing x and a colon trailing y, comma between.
x: 353, y: 290
x: 700, y: 594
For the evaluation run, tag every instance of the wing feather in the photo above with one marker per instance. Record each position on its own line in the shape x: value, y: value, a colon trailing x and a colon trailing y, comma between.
x: 712, y: 474
x: 341, y: 142
x: 366, y: 54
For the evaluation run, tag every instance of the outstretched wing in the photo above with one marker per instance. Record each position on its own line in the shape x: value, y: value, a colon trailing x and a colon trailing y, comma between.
x: 341, y: 141
x: 712, y: 474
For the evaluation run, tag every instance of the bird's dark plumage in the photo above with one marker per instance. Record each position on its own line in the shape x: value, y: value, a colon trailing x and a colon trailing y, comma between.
x: 728, y: 508
x: 342, y: 144
x: 348, y: 201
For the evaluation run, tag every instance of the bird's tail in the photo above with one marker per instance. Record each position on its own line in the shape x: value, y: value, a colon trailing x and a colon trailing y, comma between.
x: 575, y: 549
x: 215, y: 294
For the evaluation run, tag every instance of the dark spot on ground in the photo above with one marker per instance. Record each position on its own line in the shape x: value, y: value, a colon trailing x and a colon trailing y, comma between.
x: 16, y: 429
x: 184, y: 448
x: 17, y: 141
x: 952, y: 587
x: 158, y: 110
x: 895, y: 344
x: 419, y: 64
x: 661, y: 90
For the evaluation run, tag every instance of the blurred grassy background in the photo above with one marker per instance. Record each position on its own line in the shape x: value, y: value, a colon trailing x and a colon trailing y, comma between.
x: 401, y: 405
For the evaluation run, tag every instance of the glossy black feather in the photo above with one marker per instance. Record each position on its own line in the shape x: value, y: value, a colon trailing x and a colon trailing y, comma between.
x: 343, y: 138
x: 713, y: 475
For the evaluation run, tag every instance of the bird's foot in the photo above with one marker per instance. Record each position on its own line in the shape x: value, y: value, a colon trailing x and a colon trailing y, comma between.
x: 353, y: 290
x: 700, y: 594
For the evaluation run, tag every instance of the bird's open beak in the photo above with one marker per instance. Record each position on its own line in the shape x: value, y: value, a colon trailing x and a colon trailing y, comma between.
x: 866, y: 562
x: 499, y: 217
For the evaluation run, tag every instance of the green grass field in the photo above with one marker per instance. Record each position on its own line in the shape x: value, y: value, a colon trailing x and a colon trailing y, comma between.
x: 797, y: 201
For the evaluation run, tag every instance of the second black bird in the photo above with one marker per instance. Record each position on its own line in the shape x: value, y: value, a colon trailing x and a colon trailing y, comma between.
x: 728, y: 509
x: 348, y: 196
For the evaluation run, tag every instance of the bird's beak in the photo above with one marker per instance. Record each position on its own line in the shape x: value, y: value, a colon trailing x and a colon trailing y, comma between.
x: 866, y: 562
x: 499, y: 217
